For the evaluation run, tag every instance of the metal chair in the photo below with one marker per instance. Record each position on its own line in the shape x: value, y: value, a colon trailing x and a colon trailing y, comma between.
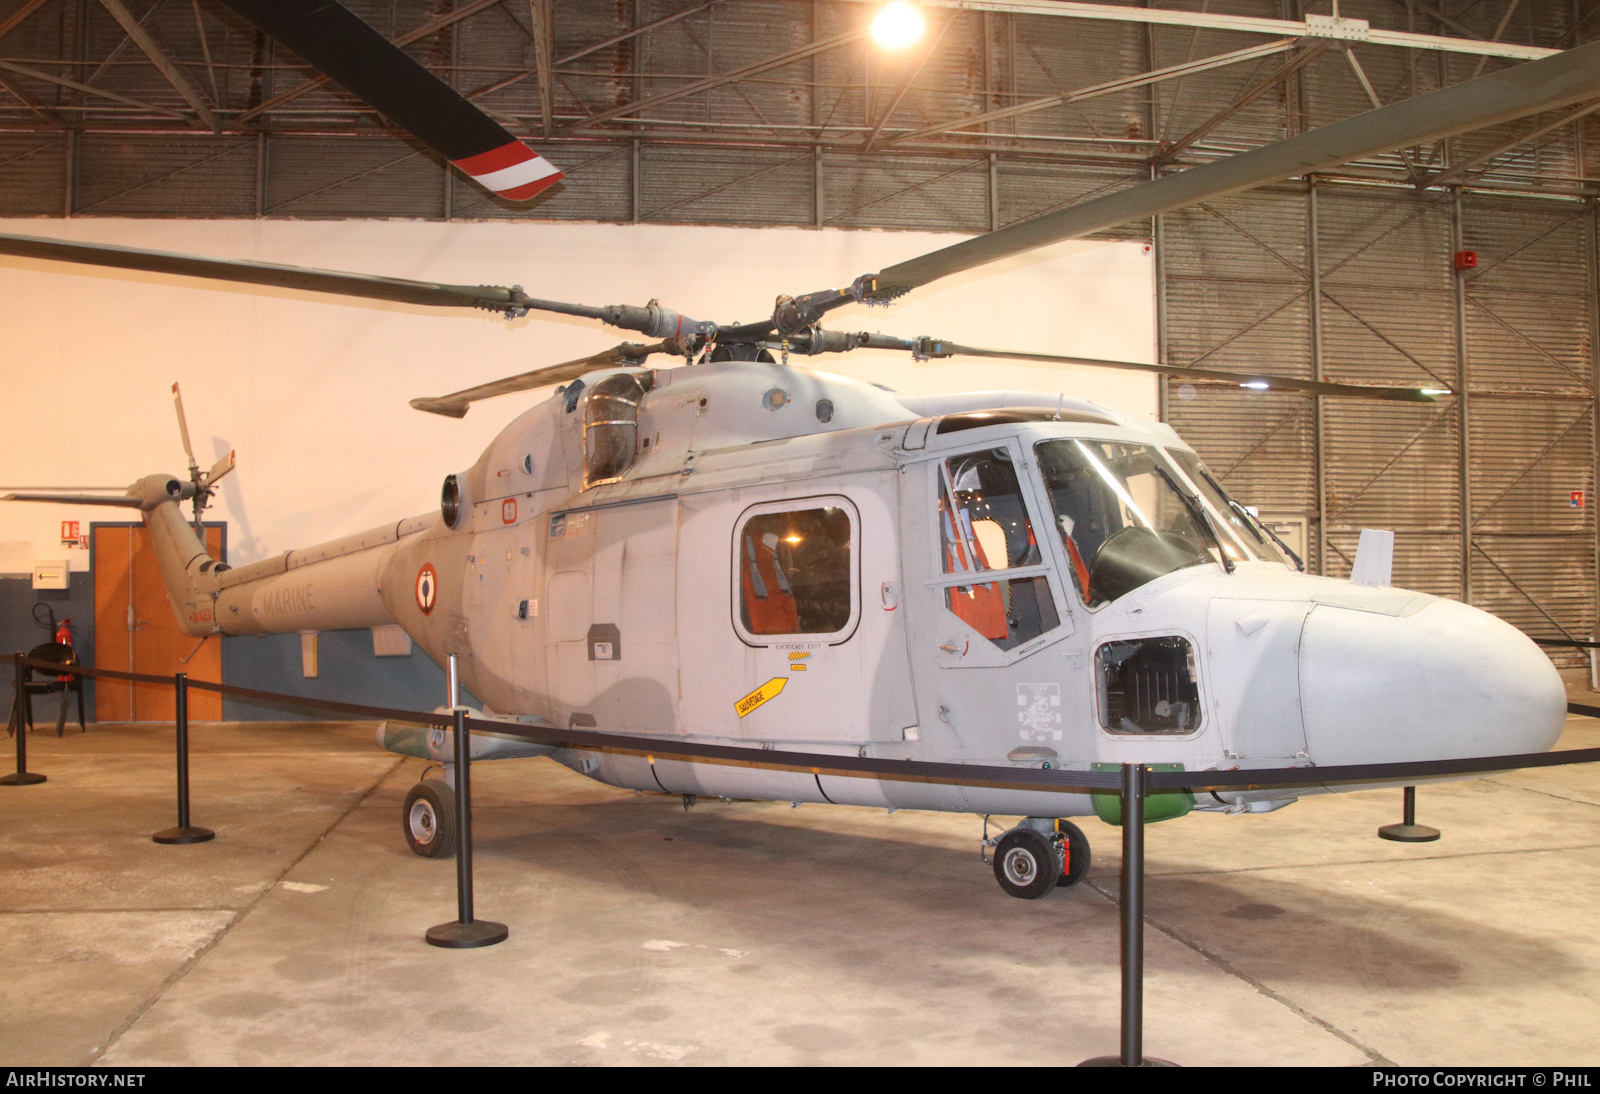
x: 22, y: 703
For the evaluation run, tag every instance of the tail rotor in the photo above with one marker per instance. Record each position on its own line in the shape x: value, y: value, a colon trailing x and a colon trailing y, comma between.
x: 204, y: 484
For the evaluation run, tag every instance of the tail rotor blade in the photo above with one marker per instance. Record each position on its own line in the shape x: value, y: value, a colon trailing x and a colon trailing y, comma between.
x: 219, y: 469
x: 183, y: 431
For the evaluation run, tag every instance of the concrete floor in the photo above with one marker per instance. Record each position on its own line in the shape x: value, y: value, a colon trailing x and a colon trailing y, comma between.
x: 756, y: 933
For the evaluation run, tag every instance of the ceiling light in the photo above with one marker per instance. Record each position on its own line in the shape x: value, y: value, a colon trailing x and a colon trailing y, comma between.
x: 1255, y: 385
x: 898, y: 25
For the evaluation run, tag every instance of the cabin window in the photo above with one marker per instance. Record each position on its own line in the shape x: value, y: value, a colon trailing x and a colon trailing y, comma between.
x: 794, y: 569
x: 611, y: 426
x: 1148, y: 686
x: 984, y: 529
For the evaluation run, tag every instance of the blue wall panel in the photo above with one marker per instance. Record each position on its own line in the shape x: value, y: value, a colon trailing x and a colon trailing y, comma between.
x: 347, y: 673
x: 19, y: 633
x: 348, y: 670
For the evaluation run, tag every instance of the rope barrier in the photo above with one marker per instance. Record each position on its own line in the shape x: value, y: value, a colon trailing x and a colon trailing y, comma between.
x: 1061, y: 781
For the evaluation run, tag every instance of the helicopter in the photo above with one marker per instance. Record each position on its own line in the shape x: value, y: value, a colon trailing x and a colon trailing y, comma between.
x: 747, y: 549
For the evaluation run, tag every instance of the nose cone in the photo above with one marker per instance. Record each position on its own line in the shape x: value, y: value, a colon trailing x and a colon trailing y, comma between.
x: 1443, y: 682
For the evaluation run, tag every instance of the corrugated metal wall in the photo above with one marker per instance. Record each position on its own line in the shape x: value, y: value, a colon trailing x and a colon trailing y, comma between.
x: 1357, y: 284
x: 787, y: 145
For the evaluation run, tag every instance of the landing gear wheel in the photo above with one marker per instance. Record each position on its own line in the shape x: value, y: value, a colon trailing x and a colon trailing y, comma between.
x: 1026, y: 864
x: 1077, y: 855
x: 429, y: 819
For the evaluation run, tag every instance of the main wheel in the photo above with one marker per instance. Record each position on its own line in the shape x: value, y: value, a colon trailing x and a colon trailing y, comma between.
x: 1026, y: 864
x: 1077, y: 864
x: 429, y: 819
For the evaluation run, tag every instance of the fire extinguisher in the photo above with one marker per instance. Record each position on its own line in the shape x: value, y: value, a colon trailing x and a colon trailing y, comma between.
x: 64, y: 637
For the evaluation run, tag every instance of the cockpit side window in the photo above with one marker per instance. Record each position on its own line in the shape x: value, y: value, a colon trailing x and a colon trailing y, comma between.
x: 984, y: 529
x: 987, y: 527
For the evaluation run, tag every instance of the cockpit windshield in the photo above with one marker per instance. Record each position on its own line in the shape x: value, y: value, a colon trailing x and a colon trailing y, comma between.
x: 1239, y: 521
x: 1123, y: 517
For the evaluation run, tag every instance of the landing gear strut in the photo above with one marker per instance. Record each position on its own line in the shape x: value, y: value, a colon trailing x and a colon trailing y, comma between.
x: 1038, y: 855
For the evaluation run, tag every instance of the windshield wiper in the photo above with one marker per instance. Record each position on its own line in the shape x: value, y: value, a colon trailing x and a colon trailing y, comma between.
x: 1201, y: 517
x: 1254, y: 523
x: 1299, y: 564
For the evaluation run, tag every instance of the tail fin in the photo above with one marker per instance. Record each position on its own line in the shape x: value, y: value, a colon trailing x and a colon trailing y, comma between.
x: 188, y: 572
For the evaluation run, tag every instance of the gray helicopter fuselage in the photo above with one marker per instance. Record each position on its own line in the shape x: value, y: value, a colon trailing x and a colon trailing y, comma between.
x: 779, y: 558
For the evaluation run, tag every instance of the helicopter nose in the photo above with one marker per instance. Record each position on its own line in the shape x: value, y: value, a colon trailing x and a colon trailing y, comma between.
x: 1446, y: 682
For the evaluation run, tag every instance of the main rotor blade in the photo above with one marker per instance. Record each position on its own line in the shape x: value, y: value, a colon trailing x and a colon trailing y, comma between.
x: 456, y: 405
x: 394, y: 289
x: 1256, y: 381
x: 337, y: 43
x: 78, y: 499
x: 1569, y: 77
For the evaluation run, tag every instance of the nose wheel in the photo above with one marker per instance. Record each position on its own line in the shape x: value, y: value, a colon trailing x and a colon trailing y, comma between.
x: 1039, y: 855
x: 428, y: 819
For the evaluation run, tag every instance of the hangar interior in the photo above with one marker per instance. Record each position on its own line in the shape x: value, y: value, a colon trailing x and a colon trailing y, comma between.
x: 715, y: 155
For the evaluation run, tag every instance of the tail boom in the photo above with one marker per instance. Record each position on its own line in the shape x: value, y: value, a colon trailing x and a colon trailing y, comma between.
x: 330, y: 586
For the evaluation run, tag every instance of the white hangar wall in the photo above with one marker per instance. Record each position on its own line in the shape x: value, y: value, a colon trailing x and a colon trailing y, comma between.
x: 312, y: 391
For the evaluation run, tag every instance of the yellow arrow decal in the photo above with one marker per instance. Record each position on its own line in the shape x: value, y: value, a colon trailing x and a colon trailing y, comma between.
x: 766, y: 691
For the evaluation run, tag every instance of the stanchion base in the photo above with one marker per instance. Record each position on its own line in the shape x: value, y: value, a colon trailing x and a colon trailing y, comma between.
x: 1408, y: 833
x: 457, y: 935
x: 184, y: 835
x: 21, y: 778
x: 1116, y: 1061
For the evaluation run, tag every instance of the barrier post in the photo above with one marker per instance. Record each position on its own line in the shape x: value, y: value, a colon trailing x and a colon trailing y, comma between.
x: 1408, y: 830
x: 1133, y: 915
x: 466, y: 932
x: 21, y: 776
x: 184, y: 832
x: 1134, y: 788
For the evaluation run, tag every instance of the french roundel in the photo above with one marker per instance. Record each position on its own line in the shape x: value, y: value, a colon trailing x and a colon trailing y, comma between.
x: 427, y: 587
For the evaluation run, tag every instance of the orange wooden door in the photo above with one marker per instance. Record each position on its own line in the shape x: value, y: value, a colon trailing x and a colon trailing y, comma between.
x: 135, y: 631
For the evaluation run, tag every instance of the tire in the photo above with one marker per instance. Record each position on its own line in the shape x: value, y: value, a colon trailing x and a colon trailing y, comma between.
x: 429, y: 819
x: 1025, y: 864
x: 1077, y: 846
